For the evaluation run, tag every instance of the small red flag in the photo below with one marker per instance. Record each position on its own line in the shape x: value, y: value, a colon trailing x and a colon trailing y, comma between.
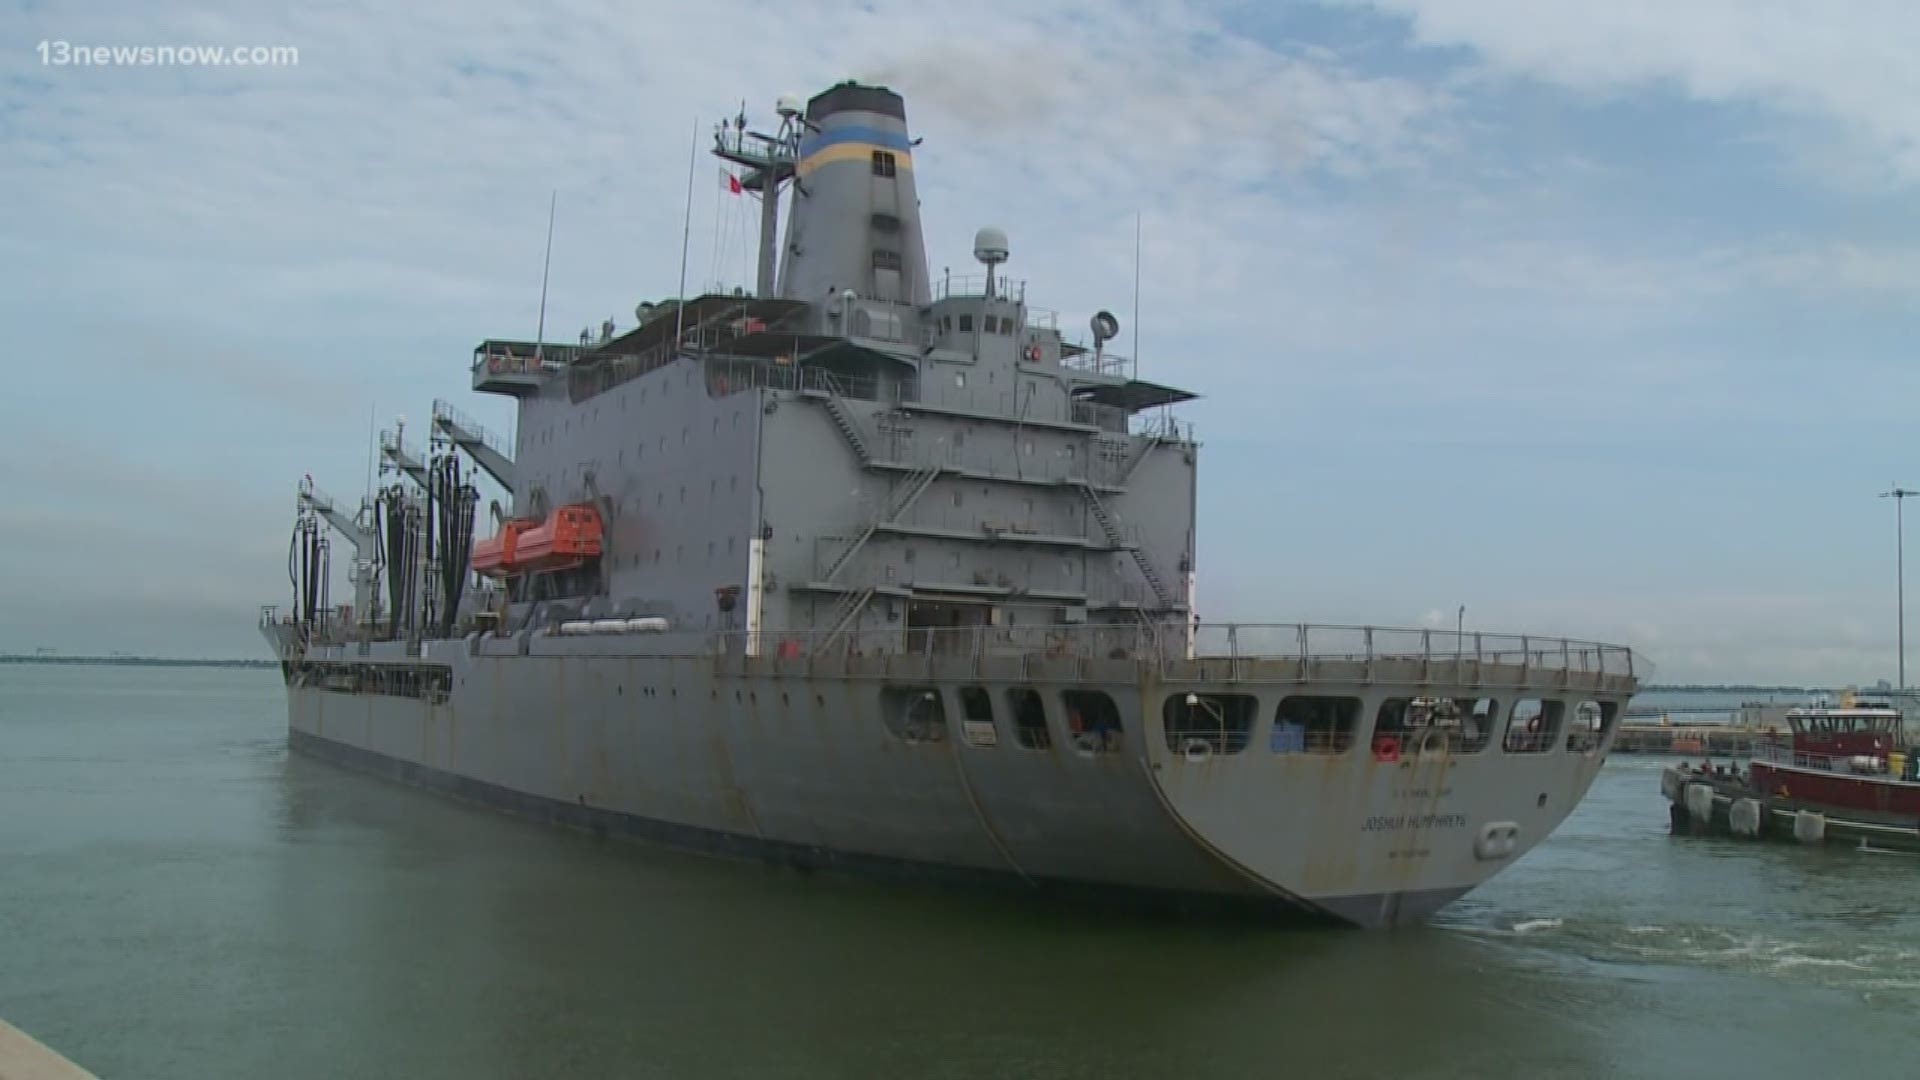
x: 733, y: 184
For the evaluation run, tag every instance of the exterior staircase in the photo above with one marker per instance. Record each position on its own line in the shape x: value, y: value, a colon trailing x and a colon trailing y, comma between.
x: 843, y: 615
x: 849, y: 428
x: 1132, y: 466
x: 916, y: 485
x: 1110, y: 527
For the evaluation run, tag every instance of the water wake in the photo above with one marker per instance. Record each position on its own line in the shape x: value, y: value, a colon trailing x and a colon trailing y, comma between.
x: 1849, y: 963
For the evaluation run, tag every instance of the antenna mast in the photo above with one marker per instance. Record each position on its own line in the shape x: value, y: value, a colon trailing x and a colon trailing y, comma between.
x: 372, y: 445
x: 1136, y: 294
x: 686, y: 231
x: 770, y: 160
x: 546, y: 264
x: 1900, y: 495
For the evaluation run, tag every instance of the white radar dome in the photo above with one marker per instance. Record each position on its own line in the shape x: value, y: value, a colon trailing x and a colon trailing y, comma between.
x: 990, y: 245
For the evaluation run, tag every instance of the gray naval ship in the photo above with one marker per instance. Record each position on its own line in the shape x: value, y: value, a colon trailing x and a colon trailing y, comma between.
x: 877, y: 570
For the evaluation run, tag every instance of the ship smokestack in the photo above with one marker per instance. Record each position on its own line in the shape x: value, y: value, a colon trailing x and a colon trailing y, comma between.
x: 855, y: 219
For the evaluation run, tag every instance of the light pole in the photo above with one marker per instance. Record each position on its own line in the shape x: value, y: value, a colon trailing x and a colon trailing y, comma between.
x: 1899, y: 495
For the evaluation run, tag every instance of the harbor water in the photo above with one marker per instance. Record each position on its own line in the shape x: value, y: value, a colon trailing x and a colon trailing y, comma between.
x: 180, y: 898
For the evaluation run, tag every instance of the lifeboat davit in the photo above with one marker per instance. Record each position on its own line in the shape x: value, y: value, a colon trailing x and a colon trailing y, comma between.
x: 568, y: 537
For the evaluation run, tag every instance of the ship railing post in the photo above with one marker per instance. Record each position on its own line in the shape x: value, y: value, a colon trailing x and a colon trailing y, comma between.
x: 1479, y: 664
x: 1526, y: 658
x: 1306, y: 664
x: 1367, y: 634
x: 1233, y: 651
x: 1426, y: 656
x: 1566, y: 665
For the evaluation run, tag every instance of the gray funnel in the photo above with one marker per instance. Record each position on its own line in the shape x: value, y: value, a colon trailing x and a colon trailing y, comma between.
x: 855, y: 218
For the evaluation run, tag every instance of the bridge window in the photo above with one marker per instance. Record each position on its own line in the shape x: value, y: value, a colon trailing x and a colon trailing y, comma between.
x: 1592, y: 723
x: 914, y: 714
x: 1029, y: 719
x: 976, y: 717
x: 1220, y: 723
x: 1312, y: 724
x: 966, y: 324
x: 1093, y: 720
x: 884, y: 259
x: 1533, y: 727
x: 883, y: 163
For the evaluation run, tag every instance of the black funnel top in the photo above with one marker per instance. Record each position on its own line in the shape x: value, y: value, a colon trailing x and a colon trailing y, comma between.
x: 852, y: 97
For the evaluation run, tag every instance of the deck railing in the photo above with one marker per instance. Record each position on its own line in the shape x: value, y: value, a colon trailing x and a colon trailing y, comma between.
x: 727, y: 375
x: 1780, y: 753
x: 1356, y: 652
x: 1099, y: 362
x: 445, y: 413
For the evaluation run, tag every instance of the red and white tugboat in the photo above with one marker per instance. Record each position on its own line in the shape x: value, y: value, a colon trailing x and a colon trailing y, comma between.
x: 1842, y: 774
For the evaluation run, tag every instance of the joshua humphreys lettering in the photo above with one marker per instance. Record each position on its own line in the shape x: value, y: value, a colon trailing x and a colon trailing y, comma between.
x: 1396, y: 822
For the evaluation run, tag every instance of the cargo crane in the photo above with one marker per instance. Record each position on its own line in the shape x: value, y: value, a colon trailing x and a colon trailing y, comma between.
x: 358, y: 531
x: 397, y: 456
x: 486, y: 449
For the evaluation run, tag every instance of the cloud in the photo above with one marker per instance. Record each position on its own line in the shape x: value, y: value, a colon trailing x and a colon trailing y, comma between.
x: 1210, y: 107
x: 1848, y: 66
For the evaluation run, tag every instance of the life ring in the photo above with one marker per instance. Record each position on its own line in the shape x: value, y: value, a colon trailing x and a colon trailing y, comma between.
x: 1085, y: 742
x: 1033, y: 353
x: 1533, y: 726
x: 1386, y: 748
x: 1196, y: 750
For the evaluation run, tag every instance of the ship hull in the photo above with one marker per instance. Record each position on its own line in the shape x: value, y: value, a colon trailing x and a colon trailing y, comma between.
x: 617, y: 825
x: 793, y: 764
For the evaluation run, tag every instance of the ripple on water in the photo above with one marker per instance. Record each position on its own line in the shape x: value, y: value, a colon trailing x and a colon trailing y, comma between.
x: 1850, y: 962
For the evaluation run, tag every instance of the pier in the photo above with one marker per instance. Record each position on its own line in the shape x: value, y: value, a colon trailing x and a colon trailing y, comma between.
x: 1742, y: 732
x: 1711, y: 740
x: 22, y: 1058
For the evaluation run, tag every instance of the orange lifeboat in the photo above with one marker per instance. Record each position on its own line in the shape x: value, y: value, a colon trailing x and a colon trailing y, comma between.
x: 569, y: 536
x: 494, y: 555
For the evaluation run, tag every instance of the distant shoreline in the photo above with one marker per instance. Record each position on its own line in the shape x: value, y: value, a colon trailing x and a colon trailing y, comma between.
x: 135, y: 661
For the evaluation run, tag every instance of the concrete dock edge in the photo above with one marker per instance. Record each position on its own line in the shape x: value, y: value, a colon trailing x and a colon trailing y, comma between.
x: 24, y: 1058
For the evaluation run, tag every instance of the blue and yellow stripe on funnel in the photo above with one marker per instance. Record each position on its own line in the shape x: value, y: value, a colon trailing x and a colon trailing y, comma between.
x: 853, y: 142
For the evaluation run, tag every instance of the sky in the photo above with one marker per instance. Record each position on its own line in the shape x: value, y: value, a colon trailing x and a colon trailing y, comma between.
x: 1597, y: 319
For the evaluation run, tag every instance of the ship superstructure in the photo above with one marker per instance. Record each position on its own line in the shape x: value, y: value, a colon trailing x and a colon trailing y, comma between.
x: 875, y: 568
